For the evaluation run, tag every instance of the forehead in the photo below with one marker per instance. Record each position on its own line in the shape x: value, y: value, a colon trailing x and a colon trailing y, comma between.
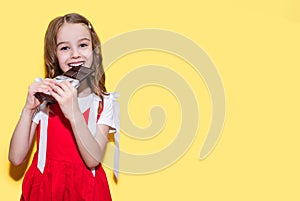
x: 70, y: 32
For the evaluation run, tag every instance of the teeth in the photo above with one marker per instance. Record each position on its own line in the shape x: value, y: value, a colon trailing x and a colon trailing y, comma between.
x: 75, y: 65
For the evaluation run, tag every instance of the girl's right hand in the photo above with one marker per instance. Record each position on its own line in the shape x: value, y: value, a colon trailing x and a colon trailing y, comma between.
x: 42, y: 86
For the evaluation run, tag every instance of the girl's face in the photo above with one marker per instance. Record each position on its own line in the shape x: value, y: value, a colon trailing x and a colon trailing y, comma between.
x: 74, y: 46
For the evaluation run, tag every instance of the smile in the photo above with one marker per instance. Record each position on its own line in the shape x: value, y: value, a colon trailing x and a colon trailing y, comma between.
x: 71, y: 65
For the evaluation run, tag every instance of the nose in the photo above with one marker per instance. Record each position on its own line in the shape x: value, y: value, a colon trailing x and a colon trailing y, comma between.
x: 75, y: 54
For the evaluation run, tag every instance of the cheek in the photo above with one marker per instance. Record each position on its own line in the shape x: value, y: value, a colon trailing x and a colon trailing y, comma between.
x: 62, y: 61
x: 87, y: 53
x: 61, y: 57
x: 89, y: 60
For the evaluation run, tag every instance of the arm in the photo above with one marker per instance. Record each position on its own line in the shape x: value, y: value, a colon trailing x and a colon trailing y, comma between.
x: 25, y: 129
x: 91, y: 148
x: 22, y: 138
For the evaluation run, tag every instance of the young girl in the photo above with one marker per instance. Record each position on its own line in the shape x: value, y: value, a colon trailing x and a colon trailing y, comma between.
x: 71, y: 134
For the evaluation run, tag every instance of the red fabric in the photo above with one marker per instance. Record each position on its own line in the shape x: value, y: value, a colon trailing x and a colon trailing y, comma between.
x: 66, y: 177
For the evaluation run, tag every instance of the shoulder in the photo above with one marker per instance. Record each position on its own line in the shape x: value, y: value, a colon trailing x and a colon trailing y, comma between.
x: 110, y: 100
x: 111, y: 96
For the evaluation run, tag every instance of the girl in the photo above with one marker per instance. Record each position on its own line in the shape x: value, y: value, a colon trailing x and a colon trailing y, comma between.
x: 71, y: 134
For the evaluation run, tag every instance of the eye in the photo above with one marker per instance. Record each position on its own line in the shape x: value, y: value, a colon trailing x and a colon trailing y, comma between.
x: 83, y: 45
x: 64, y: 48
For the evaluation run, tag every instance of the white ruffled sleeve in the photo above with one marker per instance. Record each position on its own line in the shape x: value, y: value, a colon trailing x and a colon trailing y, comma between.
x: 110, y: 116
x: 110, y: 112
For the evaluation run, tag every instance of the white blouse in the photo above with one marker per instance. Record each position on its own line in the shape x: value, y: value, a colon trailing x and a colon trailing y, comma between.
x: 109, y: 117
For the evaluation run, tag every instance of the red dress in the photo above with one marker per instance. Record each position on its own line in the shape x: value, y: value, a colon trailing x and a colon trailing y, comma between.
x: 65, y: 177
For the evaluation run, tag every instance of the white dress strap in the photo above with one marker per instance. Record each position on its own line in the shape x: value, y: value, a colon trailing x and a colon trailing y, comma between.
x: 44, y: 113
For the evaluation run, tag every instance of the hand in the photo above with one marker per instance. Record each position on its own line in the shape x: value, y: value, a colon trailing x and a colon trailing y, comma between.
x: 66, y: 96
x: 43, y: 86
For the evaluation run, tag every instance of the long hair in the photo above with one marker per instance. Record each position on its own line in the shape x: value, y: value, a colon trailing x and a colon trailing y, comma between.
x: 52, y: 69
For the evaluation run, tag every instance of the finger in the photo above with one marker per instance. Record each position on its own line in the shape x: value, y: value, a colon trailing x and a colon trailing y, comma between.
x: 44, y: 81
x: 48, y: 81
x: 39, y: 87
x: 66, y: 87
x: 57, y: 88
x: 56, y: 96
x: 61, y: 91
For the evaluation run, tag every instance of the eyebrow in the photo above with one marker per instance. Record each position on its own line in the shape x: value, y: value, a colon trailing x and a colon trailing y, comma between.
x: 83, y: 39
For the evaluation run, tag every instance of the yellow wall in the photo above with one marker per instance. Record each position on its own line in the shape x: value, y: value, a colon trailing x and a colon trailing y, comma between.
x: 255, y: 48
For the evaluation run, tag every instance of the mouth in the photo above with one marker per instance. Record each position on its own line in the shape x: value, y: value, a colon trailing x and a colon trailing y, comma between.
x: 76, y: 64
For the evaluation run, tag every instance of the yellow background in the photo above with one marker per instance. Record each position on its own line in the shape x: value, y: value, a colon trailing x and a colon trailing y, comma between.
x: 255, y: 46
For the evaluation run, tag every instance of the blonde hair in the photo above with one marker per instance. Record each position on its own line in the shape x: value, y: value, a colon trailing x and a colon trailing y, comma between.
x: 52, y: 69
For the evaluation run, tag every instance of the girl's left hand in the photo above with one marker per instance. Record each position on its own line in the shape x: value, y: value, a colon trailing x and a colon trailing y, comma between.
x: 66, y: 96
